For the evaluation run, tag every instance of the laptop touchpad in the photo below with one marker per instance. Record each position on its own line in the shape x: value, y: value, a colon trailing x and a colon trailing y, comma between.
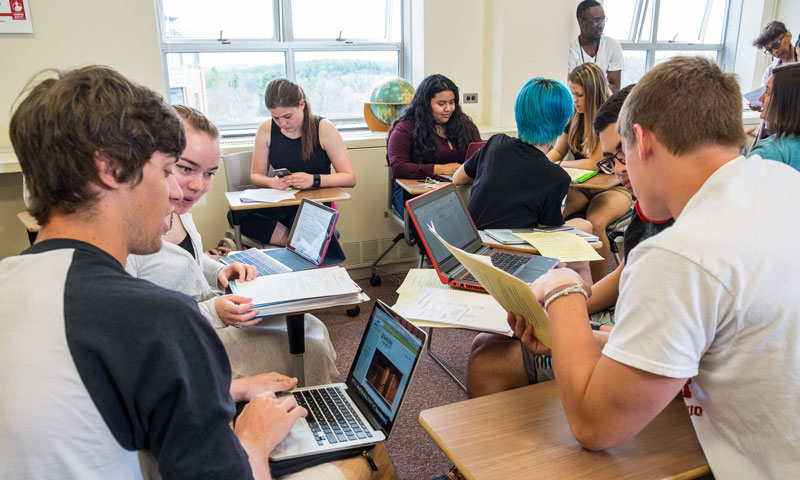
x: 534, y: 269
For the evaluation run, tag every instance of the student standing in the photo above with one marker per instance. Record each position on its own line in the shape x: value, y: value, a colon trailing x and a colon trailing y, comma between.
x: 301, y: 142
x: 594, y: 47
x: 431, y: 136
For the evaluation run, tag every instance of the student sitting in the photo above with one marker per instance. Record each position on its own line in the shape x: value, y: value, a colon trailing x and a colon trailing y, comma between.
x: 498, y: 363
x: 589, y: 90
x: 781, y: 104
x: 431, y: 136
x: 181, y: 265
x: 304, y: 144
x: 514, y: 185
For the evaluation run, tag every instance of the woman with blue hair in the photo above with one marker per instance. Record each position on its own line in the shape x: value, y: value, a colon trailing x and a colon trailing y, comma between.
x: 514, y: 184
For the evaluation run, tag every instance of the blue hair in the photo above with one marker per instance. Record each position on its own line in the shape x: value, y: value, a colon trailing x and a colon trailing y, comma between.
x: 542, y: 110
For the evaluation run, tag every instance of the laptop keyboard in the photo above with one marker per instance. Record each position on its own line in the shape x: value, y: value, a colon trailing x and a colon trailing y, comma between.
x: 265, y: 264
x: 507, y: 262
x: 330, y: 416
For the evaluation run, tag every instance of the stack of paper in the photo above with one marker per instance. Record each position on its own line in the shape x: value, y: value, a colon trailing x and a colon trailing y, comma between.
x: 579, y: 175
x: 564, y: 246
x: 511, y: 236
x: 428, y: 302
x: 267, y: 195
x: 302, y: 291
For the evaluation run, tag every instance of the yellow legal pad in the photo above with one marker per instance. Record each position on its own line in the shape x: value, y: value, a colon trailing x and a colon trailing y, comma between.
x: 564, y: 246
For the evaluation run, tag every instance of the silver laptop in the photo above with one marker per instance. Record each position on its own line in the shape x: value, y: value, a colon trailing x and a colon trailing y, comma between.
x: 312, y: 243
x: 362, y: 410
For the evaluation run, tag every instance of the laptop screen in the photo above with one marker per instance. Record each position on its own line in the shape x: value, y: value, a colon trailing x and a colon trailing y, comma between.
x: 311, y: 231
x: 389, y: 351
x: 443, y: 209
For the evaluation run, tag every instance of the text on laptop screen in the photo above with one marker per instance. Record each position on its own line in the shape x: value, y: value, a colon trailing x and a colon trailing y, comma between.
x: 311, y: 230
x: 450, y: 220
x: 384, y: 364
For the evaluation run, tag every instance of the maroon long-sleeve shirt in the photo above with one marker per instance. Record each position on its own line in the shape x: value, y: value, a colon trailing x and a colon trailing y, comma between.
x: 399, y: 152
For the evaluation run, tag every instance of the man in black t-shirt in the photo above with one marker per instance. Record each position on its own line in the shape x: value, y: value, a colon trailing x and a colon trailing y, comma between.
x: 500, y: 363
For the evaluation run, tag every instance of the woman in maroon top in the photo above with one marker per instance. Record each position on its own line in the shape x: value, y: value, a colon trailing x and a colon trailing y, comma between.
x: 432, y: 135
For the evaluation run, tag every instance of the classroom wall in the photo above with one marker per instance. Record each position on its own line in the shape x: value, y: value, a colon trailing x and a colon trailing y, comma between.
x: 489, y: 47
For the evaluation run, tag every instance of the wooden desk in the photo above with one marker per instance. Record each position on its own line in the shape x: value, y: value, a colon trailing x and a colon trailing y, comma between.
x: 601, y: 181
x: 524, y: 248
x: 31, y: 225
x: 523, y: 433
x: 327, y: 194
x: 418, y: 187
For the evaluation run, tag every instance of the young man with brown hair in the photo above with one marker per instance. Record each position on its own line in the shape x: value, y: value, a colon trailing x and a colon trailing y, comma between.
x: 710, y: 301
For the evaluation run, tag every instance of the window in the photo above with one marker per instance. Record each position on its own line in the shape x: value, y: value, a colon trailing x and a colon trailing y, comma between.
x: 679, y: 27
x: 219, y: 56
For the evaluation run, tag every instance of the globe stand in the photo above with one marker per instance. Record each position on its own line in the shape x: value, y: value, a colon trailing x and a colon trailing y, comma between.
x: 373, y: 123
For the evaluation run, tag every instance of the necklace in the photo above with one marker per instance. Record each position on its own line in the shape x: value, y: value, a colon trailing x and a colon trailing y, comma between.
x: 169, y: 230
x: 580, y: 48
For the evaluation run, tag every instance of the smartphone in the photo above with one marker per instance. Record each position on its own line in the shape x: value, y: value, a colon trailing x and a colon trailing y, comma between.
x: 281, y: 172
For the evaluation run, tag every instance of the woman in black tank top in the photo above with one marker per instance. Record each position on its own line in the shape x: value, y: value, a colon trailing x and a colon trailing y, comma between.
x: 304, y: 144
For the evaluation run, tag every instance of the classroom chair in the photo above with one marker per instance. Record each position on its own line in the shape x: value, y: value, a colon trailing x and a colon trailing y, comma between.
x: 237, y: 177
x: 615, y: 230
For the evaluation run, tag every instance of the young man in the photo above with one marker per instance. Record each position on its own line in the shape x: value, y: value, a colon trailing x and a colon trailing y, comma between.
x: 712, y: 300
x: 99, y: 366
x: 592, y: 46
x: 498, y: 363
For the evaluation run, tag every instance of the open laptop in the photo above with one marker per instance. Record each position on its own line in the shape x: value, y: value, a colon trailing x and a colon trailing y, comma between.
x: 312, y: 243
x: 361, y: 411
x: 445, y: 210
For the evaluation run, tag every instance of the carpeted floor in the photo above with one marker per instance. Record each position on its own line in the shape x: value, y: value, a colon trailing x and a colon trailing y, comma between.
x: 413, y: 452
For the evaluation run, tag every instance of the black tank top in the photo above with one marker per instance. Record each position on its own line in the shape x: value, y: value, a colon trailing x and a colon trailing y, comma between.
x: 286, y: 153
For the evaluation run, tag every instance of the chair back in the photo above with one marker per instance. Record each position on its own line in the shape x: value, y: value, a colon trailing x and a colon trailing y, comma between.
x: 237, y: 170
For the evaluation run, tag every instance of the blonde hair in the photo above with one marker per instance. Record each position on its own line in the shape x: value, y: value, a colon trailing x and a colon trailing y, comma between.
x: 197, y: 120
x: 688, y: 103
x: 592, y: 79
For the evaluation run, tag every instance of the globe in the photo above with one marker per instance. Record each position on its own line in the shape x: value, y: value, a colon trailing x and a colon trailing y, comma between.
x: 390, y: 90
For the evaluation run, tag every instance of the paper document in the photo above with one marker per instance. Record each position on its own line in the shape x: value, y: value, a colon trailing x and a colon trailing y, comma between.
x: 579, y: 175
x: 511, y: 293
x: 472, y: 310
x: 267, y: 195
x: 753, y: 97
x: 564, y: 246
x: 419, y: 278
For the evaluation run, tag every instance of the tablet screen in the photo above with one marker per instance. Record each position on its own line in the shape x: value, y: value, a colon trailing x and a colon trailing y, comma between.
x: 311, y: 231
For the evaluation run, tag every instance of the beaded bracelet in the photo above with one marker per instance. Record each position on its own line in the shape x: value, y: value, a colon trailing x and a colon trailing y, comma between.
x: 562, y: 291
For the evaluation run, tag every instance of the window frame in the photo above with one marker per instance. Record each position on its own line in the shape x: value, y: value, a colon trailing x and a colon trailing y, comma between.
x: 726, y: 50
x: 284, y: 42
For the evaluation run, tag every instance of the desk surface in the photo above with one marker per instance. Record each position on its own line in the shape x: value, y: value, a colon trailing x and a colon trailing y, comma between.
x: 524, y: 432
x: 601, y: 181
x: 327, y: 194
x: 30, y: 223
x: 418, y: 187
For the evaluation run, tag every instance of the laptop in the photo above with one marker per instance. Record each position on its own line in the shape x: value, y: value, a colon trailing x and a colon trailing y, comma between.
x: 445, y: 209
x: 361, y: 411
x: 312, y: 243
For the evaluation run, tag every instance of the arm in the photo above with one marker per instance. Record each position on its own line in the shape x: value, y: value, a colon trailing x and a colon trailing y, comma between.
x: 605, y: 291
x: 614, y: 80
x: 244, y: 389
x: 398, y: 151
x: 586, y: 163
x: 260, y: 166
x: 332, y: 143
x: 461, y: 177
x: 559, y: 150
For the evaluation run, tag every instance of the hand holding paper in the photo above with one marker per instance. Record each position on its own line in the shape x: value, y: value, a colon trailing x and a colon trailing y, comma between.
x: 511, y: 293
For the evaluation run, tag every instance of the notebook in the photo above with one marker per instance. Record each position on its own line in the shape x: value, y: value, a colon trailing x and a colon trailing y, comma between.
x: 312, y: 243
x: 445, y: 210
x: 367, y: 404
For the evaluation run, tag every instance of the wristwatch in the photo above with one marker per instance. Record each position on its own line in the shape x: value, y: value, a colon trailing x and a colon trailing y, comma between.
x: 316, y: 180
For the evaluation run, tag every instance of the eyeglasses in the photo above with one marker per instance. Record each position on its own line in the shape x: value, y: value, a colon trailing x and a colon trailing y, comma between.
x: 775, y: 45
x: 606, y: 165
x: 595, y: 21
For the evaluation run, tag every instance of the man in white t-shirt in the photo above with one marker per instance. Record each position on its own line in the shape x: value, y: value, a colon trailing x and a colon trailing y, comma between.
x: 593, y: 47
x: 708, y: 307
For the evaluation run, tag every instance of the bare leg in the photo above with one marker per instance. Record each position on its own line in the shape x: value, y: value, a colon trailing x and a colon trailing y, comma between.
x: 280, y: 235
x: 495, y: 365
x: 576, y: 202
x: 604, y: 208
x: 358, y: 467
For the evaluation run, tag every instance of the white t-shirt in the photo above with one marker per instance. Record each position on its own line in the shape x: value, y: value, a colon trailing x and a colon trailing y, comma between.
x: 608, y: 57
x: 716, y: 299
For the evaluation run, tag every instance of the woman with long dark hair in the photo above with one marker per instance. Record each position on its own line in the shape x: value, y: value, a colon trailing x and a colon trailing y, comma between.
x: 431, y: 136
x: 304, y: 144
x: 781, y: 102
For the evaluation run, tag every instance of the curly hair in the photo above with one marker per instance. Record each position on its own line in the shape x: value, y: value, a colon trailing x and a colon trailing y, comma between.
x: 457, y: 129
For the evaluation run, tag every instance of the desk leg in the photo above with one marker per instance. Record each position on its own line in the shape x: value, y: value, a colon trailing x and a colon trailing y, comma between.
x: 237, y: 236
x: 295, y: 326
